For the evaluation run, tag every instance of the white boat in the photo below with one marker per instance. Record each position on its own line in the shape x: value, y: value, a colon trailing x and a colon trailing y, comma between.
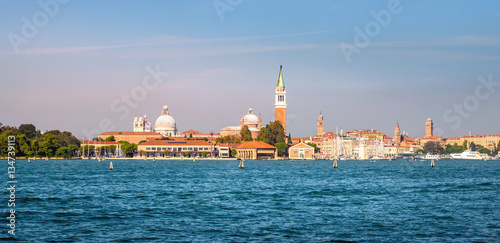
x: 431, y: 156
x: 468, y: 154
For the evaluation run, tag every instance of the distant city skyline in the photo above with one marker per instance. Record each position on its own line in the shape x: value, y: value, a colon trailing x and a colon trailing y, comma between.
x: 71, y: 66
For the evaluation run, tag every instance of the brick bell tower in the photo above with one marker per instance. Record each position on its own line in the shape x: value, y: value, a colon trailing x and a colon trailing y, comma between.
x: 280, y: 101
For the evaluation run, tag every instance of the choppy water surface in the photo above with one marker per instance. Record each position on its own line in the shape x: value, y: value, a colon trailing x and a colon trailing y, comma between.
x: 267, y: 201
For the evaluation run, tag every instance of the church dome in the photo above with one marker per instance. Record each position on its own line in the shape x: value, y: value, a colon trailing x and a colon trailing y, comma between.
x: 165, y: 124
x: 250, y: 118
x: 165, y: 121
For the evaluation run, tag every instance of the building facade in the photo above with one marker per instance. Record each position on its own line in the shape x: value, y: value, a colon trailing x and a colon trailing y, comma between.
x: 256, y: 150
x: 131, y: 137
x: 142, y: 124
x: 177, y: 148
x: 250, y: 120
x: 301, y: 151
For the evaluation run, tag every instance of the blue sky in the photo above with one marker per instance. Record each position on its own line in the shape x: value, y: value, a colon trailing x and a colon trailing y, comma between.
x: 86, y: 55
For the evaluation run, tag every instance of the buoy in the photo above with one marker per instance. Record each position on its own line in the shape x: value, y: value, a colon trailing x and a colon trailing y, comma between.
x: 111, y: 165
x: 335, y: 164
x: 154, y: 160
x: 292, y: 160
x: 432, y: 163
x: 242, y: 164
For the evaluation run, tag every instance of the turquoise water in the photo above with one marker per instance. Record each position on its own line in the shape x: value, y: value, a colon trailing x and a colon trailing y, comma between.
x: 297, y: 201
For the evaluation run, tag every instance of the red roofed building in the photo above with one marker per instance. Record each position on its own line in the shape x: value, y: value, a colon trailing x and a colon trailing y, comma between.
x: 256, y: 150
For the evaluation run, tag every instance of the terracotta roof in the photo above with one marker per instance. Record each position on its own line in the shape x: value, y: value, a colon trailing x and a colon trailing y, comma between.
x: 255, y: 144
x: 100, y: 143
x: 301, y: 145
x: 174, y: 142
x: 130, y: 133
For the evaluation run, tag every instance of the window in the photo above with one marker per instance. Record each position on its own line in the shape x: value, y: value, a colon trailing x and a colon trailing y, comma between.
x: 153, y: 148
x: 295, y: 152
x: 195, y: 149
x: 148, y: 148
x: 307, y: 151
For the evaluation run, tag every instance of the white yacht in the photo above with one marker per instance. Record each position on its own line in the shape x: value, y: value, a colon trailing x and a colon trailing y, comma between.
x: 468, y: 154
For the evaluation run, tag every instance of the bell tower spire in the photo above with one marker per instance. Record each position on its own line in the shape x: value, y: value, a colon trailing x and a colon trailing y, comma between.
x: 280, y: 101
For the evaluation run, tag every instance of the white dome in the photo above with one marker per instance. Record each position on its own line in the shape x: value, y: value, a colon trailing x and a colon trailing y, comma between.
x: 165, y: 121
x: 250, y: 119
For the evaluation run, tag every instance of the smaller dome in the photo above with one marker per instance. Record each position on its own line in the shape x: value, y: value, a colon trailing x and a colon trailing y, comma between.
x: 250, y: 118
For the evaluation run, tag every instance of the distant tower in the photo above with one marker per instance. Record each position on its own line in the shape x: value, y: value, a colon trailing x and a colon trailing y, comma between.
x: 259, y: 126
x: 321, y: 125
x: 429, y: 128
x: 397, y: 134
x: 141, y: 124
x: 280, y: 102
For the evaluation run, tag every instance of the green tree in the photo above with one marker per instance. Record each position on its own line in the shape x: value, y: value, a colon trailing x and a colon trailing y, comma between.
x: 72, y: 149
x: 24, y: 145
x: 187, y: 153
x: 473, y: 146
x: 282, y: 148
x: 465, y: 144
x: 433, y: 148
x: 204, y: 154
x: 4, y: 142
x: 419, y: 151
x: 484, y: 151
x: 48, y: 145
x: 62, y: 152
x: 316, y: 148
x: 272, y: 133
x: 289, y: 138
x: 166, y: 152
x: 233, y: 152
x: 245, y: 134
x: 35, y: 146
x: 190, y: 135
x: 110, y: 138
x: 128, y: 148
x: 27, y: 129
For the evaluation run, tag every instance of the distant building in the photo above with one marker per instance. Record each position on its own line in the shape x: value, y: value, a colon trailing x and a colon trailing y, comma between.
x: 397, y: 134
x: 321, y: 125
x: 197, y: 134
x: 429, y: 128
x: 485, y: 141
x: 131, y: 137
x: 280, y: 101
x: 256, y: 150
x: 177, y: 148
x: 165, y: 124
x: 250, y: 120
x: 301, y: 151
x: 142, y: 124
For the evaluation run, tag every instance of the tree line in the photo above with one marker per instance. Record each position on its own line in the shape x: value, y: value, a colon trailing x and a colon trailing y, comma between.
x: 435, y: 148
x: 32, y: 142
